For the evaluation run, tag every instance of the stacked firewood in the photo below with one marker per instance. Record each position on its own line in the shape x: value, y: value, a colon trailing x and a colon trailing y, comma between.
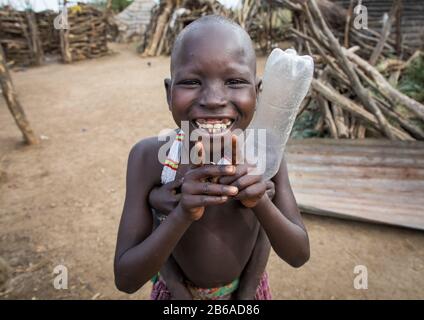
x: 169, y: 18
x: 19, y: 37
x: 355, y: 90
x: 266, y: 23
x: 49, y: 36
x: 87, y: 34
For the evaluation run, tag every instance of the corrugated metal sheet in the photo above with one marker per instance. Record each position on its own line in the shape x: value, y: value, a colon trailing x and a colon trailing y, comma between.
x: 373, y: 180
x: 412, y: 23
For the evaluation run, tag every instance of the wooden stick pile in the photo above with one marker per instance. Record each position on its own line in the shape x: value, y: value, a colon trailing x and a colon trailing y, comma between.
x: 87, y: 34
x: 354, y: 98
x: 169, y: 18
x: 20, y: 38
x: 266, y: 23
x: 49, y: 36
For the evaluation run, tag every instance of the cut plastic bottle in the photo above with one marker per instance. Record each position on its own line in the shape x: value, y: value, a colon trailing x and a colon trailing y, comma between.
x: 286, y: 82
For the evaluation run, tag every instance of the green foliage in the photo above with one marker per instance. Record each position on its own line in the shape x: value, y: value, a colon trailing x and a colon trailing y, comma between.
x: 412, y: 81
x: 304, y: 125
x: 117, y: 5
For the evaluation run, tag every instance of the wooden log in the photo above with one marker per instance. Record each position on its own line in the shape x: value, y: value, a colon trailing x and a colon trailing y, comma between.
x: 361, y: 131
x: 346, y: 65
x: 328, y: 117
x: 13, y: 103
x: 387, y: 25
x: 64, y: 40
x: 384, y: 86
x: 332, y: 95
x: 160, y: 27
x: 339, y: 120
x: 348, y: 24
x: 414, y: 130
x: 35, y: 38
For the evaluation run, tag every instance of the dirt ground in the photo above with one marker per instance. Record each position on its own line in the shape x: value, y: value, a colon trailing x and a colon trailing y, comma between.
x: 61, y: 201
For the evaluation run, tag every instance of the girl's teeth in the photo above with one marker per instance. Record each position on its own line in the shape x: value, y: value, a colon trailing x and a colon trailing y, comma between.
x: 214, y: 127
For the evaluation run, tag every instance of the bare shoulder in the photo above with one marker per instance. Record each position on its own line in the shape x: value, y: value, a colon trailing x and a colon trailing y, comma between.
x: 143, y: 160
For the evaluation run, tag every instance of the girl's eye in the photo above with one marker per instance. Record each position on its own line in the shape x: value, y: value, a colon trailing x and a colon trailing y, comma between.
x: 235, y: 82
x: 190, y: 82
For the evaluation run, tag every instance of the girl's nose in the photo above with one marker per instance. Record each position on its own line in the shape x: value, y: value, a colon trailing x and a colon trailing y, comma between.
x: 213, y: 97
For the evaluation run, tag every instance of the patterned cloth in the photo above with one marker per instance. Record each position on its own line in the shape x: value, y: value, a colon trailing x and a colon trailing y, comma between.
x: 161, y: 292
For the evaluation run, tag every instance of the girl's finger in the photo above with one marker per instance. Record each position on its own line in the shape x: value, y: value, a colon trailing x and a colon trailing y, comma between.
x: 207, y: 188
x: 249, y: 203
x: 196, y: 201
x: 198, y: 154
x: 236, y: 151
x: 255, y: 191
x: 173, y: 184
x: 240, y: 171
x: 246, y: 181
x: 206, y: 171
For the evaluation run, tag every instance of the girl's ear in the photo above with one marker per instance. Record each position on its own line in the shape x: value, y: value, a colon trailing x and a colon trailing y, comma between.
x: 258, y: 85
x: 167, y: 83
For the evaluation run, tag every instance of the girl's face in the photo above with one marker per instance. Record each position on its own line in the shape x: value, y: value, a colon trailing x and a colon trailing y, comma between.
x: 213, y: 84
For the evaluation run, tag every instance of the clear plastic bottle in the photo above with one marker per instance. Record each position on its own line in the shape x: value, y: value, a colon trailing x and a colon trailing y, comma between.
x: 286, y: 81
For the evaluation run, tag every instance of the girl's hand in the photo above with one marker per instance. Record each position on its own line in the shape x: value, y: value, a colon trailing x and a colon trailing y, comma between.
x: 270, y: 189
x: 196, y: 190
x: 251, y: 187
x: 165, y: 198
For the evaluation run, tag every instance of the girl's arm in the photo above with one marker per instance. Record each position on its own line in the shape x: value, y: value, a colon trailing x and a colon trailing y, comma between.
x: 282, y: 221
x: 140, y: 253
x: 164, y: 199
x: 280, y: 218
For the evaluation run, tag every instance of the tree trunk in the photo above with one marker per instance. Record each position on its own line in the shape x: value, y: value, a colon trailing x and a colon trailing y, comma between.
x: 13, y: 102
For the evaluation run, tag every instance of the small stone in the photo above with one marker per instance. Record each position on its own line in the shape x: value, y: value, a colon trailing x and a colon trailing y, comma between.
x: 97, y: 295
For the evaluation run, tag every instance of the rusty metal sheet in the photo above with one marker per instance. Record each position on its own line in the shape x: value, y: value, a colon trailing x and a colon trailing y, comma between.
x: 370, y: 180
